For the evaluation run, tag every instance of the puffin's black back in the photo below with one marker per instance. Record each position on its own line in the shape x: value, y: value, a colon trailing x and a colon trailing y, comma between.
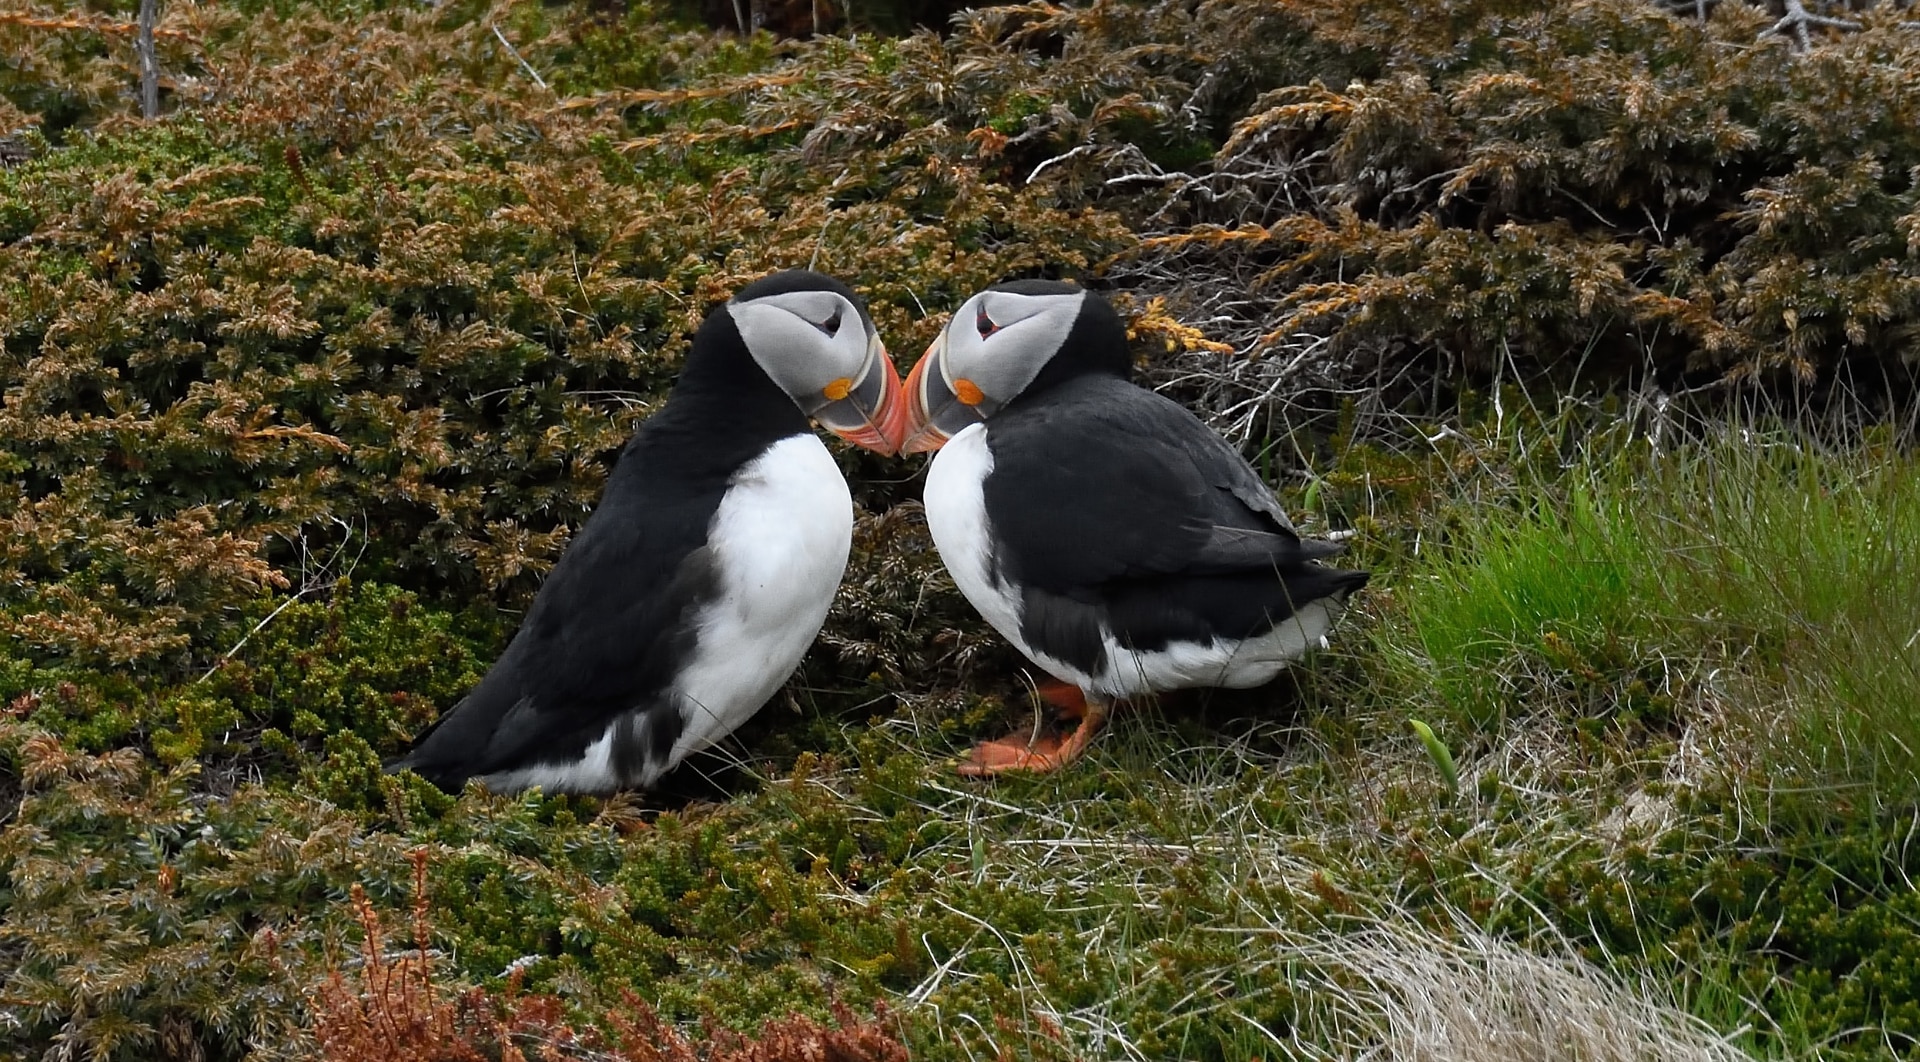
x: 1115, y: 506
x: 610, y: 627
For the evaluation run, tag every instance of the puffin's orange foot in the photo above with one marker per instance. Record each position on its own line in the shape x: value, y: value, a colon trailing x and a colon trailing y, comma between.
x: 1037, y: 754
x: 1013, y: 753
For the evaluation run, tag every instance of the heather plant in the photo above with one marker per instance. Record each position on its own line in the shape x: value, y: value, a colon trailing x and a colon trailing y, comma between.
x: 1255, y: 883
x: 1590, y: 193
x: 396, y: 1011
x: 269, y: 318
x: 381, y: 296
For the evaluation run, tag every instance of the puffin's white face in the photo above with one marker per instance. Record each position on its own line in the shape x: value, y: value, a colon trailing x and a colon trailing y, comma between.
x: 994, y: 346
x: 824, y: 351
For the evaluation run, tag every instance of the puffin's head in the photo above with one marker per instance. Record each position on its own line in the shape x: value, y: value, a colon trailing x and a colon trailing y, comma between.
x: 812, y: 337
x: 1011, y: 339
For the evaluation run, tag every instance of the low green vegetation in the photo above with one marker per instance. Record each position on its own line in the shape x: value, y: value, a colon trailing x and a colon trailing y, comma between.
x: 1714, y: 637
x: 1669, y: 789
x: 1765, y: 568
x: 305, y: 382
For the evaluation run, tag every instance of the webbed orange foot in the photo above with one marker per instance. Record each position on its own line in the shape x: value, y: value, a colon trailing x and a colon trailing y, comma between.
x: 1013, y: 753
x: 1039, y: 753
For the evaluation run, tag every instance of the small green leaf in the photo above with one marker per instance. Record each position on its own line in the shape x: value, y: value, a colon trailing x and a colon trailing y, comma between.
x: 1437, y: 751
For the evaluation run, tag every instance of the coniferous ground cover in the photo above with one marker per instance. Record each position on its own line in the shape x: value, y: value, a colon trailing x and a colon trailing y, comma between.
x: 1593, y: 324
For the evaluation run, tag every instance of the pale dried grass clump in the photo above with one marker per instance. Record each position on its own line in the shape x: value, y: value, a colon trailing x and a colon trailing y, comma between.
x: 1397, y: 991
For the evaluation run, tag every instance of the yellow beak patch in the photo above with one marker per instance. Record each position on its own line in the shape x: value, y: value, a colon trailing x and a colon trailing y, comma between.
x: 968, y: 392
x: 838, y: 389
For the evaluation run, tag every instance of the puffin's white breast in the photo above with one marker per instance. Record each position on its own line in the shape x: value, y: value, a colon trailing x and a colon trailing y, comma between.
x: 780, y: 539
x: 956, y: 503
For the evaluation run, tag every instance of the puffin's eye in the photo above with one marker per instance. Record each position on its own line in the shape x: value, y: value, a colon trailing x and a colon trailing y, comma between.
x: 985, y: 324
x: 831, y: 325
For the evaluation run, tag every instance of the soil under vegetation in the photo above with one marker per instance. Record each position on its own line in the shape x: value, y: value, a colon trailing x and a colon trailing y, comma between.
x: 1592, y: 324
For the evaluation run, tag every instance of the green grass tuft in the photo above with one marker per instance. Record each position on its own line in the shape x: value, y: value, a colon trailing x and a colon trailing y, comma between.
x: 1757, y: 570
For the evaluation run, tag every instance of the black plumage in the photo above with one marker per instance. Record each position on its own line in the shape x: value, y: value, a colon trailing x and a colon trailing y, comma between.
x: 1145, y: 524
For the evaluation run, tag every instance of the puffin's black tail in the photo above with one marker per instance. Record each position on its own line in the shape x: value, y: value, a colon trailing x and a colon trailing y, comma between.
x: 1312, y: 582
x: 447, y: 777
x: 448, y: 751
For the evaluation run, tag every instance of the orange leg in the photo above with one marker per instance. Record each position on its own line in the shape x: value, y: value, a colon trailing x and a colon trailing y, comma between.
x: 1067, y: 699
x: 1042, y: 752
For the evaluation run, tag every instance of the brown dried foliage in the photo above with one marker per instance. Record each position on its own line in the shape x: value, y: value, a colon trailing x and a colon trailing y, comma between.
x: 370, y: 283
x: 1599, y: 187
x: 392, y: 1011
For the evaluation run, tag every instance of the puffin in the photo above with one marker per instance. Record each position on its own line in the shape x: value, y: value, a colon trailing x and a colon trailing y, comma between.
x: 698, y: 582
x: 1119, y: 543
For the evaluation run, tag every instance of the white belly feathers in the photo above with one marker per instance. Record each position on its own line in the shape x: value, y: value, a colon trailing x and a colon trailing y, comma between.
x: 780, y: 540
x: 956, y: 504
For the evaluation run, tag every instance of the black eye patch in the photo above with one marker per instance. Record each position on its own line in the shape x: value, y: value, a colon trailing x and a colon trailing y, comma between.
x: 985, y: 324
x: 831, y: 325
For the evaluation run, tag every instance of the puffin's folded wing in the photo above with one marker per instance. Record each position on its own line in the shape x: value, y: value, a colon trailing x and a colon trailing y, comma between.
x: 1116, y: 506
x: 614, y: 649
x: 1239, y: 549
x: 602, y: 638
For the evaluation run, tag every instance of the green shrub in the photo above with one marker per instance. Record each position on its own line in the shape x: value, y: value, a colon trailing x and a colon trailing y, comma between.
x: 379, y: 292
x: 134, y: 903
x: 1594, y: 191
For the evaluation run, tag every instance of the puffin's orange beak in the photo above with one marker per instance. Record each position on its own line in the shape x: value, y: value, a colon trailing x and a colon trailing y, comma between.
x: 939, y: 410
x: 920, y: 434
x: 877, y: 422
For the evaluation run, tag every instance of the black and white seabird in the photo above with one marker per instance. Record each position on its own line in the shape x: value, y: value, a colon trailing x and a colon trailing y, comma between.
x: 706, y: 570
x: 1105, y: 531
